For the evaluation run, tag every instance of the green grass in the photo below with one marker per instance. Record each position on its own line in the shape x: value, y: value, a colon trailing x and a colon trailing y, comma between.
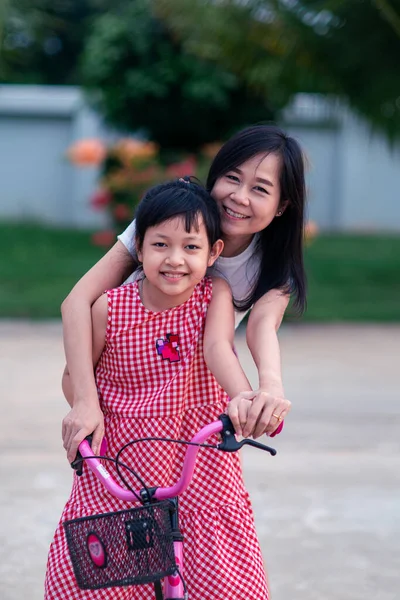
x: 350, y: 277
x: 38, y: 268
x: 354, y: 278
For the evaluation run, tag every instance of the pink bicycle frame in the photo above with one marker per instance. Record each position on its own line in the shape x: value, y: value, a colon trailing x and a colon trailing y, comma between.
x: 173, y: 587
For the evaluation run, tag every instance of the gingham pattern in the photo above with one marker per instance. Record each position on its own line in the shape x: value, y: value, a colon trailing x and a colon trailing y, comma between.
x: 144, y: 395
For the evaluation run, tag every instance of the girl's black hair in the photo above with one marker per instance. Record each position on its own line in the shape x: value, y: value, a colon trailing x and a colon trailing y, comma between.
x: 184, y: 198
x: 281, y: 243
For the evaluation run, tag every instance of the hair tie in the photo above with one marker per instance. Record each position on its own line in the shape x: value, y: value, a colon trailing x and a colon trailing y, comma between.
x: 185, y: 179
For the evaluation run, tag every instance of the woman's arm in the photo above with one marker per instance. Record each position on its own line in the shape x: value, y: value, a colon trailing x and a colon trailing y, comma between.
x: 262, y: 340
x: 99, y: 314
x: 219, y: 341
x: 85, y: 416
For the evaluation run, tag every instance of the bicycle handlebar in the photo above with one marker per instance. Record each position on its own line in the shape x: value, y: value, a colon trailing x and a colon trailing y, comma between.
x: 229, y: 444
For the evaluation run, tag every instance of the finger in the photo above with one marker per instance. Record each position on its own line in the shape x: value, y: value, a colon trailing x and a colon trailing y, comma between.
x: 280, y: 411
x: 69, y: 436
x: 97, y: 439
x: 65, y: 433
x: 263, y: 422
x: 251, y: 419
x: 233, y: 414
x: 69, y: 431
x: 73, y: 447
x: 244, y: 396
x: 243, y: 410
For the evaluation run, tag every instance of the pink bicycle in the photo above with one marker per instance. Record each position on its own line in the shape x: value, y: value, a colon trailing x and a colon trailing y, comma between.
x: 144, y: 544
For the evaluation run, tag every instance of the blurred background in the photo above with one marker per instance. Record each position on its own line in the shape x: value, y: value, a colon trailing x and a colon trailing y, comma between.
x: 100, y: 99
x: 78, y: 80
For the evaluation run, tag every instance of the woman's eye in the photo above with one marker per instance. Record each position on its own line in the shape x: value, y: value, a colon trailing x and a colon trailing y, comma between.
x: 232, y: 177
x: 261, y: 189
x: 192, y: 247
x: 159, y: 244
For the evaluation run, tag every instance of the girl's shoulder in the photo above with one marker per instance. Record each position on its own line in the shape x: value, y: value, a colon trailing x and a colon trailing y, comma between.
x: 202, y: 293
x: 126, y: 294
x: 123, y: 307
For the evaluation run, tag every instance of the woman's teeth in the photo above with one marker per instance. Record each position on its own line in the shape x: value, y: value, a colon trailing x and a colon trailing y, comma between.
x: 231, y: 213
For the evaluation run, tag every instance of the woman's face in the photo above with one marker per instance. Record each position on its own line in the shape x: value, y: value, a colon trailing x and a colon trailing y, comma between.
x: 249, y: 196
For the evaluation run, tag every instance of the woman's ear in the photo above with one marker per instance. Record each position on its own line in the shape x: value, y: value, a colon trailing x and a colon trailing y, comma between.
x: 282, y: 207
x: 215, y: 252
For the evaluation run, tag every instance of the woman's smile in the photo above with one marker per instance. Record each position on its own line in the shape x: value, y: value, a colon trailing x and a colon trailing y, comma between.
x: 233, y: 214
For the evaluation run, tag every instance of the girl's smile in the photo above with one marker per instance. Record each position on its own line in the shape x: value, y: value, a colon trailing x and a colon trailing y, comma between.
x: 174, y: 261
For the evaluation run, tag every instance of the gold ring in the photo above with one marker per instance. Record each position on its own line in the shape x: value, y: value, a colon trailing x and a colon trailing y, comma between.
x: 277, y: 417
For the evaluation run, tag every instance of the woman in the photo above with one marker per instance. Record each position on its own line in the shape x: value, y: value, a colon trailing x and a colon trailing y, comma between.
x: 257, y: 181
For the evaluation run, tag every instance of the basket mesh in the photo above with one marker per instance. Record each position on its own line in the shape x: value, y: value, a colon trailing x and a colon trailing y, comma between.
x: 127, y: 547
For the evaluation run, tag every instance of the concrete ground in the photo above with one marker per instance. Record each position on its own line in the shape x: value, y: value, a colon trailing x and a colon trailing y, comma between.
x: 327, y: 506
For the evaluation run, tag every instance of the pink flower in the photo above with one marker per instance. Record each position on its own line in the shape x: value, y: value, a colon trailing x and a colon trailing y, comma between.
x: 122, y: 212
x: 310, y: 230
x: 103, y: 238
x: 180, y: 169
x: 90, y: 152
x: 100, y: 199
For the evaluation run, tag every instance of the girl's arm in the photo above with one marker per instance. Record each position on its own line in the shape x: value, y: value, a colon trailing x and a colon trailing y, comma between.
x: 219, y: 342
x: 262, y: 340
x: 85, y: 416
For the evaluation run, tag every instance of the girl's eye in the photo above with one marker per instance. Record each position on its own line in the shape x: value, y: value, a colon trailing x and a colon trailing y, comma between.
x: 232, y: 177
x: 159, y: 244
x: 192, y: 247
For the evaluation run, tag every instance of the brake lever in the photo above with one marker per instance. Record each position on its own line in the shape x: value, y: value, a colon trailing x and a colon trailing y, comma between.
x: 229, y: 442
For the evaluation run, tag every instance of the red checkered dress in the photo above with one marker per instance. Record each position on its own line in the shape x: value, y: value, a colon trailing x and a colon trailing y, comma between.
x: 153, y: 381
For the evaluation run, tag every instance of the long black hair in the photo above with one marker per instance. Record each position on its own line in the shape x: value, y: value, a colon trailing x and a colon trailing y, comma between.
x: 184, y: 198
x: 280, y: 244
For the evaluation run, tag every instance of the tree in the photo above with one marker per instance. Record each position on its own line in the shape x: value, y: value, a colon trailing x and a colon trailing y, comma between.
x: 41, y: 40
x: 141, y: 78
x: 280, y: 47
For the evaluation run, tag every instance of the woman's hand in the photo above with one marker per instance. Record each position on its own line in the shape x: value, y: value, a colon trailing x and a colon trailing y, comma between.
x: 257, y: 412
x: 83, y: 419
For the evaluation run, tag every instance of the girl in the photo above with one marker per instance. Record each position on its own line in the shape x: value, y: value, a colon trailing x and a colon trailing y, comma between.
x: 257, y: 181
x: 153, y: 380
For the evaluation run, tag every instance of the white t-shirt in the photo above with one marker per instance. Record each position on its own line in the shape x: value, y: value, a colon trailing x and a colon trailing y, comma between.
x: 239, y: 271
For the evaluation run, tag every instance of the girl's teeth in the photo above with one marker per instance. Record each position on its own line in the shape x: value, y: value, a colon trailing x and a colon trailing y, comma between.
x: 236, y: 215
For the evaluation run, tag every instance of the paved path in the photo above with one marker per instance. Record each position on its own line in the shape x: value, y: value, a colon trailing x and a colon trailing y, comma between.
x: 327, y: 506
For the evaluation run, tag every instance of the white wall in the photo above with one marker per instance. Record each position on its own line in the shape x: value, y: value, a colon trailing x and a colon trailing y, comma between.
x: 37, y: 124
x: 354, y: 174
x: 353, y: 177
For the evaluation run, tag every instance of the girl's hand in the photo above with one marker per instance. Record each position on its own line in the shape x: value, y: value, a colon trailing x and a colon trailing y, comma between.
x: 252, y: 413
x: 83, y: 419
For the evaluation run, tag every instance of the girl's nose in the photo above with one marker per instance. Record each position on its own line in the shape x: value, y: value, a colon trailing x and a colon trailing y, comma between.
x: 174, y: 258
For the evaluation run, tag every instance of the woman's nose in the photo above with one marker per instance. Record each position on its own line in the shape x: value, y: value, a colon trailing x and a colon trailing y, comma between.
x: 240, y: 196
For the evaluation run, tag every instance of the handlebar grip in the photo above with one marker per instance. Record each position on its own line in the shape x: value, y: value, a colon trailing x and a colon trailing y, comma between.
x: 77, y: 463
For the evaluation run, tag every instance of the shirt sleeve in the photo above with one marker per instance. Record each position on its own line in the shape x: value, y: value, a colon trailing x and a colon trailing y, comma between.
x: 127, y: 238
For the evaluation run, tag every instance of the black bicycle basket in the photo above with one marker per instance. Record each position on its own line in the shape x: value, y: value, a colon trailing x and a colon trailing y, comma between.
x: 128, y: 547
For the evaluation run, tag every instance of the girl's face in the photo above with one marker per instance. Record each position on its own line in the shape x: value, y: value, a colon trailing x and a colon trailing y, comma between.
x: 249, y: 197
x: 174, y: 261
